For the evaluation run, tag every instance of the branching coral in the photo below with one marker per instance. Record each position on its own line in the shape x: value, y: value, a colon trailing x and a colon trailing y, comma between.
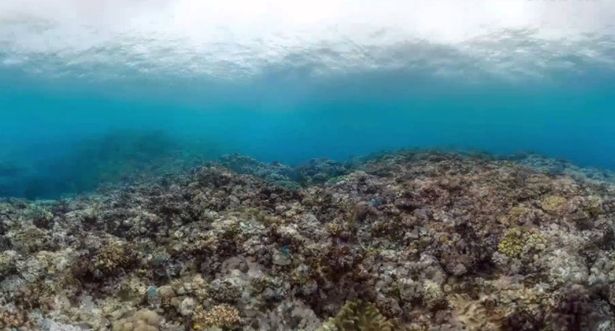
x: 519, y: 240
x: 221, y: 316
x: 110, y: 258
x: 11, y: 320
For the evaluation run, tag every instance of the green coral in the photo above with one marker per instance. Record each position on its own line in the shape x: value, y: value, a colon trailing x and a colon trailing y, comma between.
x: 518, y: 241
x: 358, y: 316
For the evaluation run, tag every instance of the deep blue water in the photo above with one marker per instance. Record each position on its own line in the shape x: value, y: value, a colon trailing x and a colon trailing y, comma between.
x: 59, y: 132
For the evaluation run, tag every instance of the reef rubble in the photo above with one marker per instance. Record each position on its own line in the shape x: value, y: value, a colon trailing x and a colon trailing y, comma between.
x: 401, y: 241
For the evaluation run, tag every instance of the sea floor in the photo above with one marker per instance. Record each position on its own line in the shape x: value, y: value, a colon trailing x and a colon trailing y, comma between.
x: 401, y: 241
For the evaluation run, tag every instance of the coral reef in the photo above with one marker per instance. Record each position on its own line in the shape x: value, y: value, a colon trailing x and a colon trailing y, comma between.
x: 517, y: 242
x: 358, y: 316
x: 10, y: 320
x: 401, y: 241
x: 143, y: 320
x: 220, y: 316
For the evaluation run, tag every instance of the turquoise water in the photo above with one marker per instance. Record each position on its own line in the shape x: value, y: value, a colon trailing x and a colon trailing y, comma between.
x: 67, y: 128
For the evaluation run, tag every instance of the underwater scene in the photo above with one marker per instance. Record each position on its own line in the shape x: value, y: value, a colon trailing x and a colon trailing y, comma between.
x: 307, y: 165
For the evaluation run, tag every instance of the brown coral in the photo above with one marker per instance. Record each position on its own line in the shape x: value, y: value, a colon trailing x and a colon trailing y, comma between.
x: 13, y: 320
x: 110, y: 259
x: 222, y: 316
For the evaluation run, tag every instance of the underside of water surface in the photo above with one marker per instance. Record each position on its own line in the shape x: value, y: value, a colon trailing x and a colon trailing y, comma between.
x: 331, y: 166
x: 75, y: 119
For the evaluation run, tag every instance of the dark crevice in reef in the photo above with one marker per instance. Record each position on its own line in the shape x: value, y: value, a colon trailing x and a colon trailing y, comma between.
x: 399, y: 241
